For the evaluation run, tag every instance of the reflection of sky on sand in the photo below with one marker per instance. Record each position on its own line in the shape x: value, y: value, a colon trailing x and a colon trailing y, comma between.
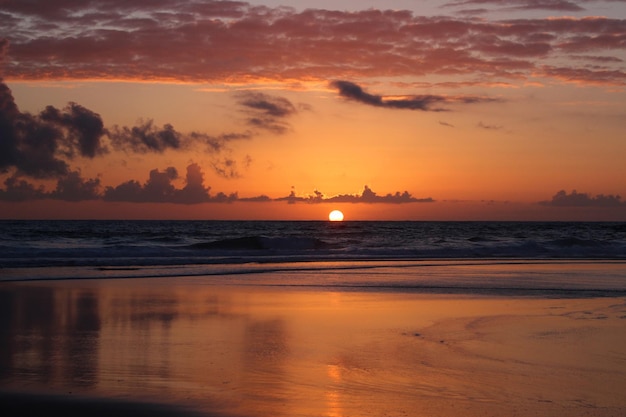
x: 280, y: 352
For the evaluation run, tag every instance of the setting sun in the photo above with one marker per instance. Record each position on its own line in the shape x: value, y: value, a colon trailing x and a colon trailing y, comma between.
x: 335, y: 216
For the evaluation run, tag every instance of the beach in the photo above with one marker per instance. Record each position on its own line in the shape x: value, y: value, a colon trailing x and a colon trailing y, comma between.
x: 195, y: 346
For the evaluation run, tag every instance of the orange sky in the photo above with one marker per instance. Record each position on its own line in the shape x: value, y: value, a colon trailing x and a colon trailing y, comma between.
x: 437, y: 110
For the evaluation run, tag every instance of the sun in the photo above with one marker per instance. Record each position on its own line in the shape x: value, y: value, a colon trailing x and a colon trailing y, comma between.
x: 335, y: 216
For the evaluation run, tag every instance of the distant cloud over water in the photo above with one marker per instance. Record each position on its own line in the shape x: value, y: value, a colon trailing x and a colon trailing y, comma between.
x: 576, y: 199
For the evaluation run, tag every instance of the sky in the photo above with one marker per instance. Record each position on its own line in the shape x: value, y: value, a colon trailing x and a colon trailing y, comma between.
x: 385, y: 110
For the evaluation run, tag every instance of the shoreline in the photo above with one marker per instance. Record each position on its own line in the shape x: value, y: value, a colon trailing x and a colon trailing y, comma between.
x: 497, y: 277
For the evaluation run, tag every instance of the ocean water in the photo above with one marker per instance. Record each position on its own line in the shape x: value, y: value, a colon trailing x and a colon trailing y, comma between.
x: 540, y: 255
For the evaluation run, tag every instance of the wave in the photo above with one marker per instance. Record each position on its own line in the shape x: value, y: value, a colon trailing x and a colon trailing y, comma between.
x: 263, y: 243
x: 143, y: 243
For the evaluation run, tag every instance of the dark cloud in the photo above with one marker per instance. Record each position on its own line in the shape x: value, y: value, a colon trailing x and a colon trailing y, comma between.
x: 27, y: 143
x: 266, y: 111
x: 146, y: 138
x: 71, y: 187
x: 159, y: 189
x: 38, y: 145
x: 223, y: 41
x: 84, y: 128
x: 194, y: 190
x: 354, y: 92
x: 367, y: 196
x: 8, y: 138
x: 44, y: 145
x: 575, y: 199
x: 216, y: 143
x: 17, y: 189
x: 258, y: 199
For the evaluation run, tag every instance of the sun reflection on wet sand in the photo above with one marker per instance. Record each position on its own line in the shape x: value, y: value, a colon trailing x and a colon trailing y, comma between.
x: 253, y: 351
x: 333, y: 396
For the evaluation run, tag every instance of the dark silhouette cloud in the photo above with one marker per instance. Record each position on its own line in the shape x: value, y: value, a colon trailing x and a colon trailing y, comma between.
x: 367, y: 196
x: 266, y: 111
x: 44, y: 145
x: 84, y: 128
x: 575, y: 199
x: 194, y: 190
x: 71, y: 187
x: 17, y: 189
x: 146, y: 137
x: 258, y: 199
x: 159, y: 189
x: 38, y: 145
x: 354, y: 92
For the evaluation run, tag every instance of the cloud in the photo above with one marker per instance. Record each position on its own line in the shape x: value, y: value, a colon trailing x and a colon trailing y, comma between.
x: 17, y: 189
x: 44, y: 145
x: 258, y: 199
x: 266, y: 111
x: 71, y: 187
x: 575, y: 199
x: 224, y: 42
x: 146, y: 138
x: 40, y: 145
x: 84, y: 128
x: 159, y: 189
x: 554, y: 5
x: 354, y: 92
x: 74, y: 188
x: 489, y: 127
x: 225, y: 168
x: 367, y: 196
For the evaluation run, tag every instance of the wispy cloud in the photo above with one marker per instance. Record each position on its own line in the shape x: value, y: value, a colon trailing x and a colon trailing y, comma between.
x: 265, y: 111
x: 554, y: 5
x: 488, y: 126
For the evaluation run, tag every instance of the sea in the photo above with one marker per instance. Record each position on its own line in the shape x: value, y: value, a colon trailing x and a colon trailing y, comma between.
x: 535, y: 256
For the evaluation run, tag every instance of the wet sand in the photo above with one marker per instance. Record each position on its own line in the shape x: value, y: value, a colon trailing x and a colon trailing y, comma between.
x: 184, y: 347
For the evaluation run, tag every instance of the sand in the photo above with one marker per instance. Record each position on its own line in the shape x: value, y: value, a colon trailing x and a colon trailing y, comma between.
x: 185, y: 347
